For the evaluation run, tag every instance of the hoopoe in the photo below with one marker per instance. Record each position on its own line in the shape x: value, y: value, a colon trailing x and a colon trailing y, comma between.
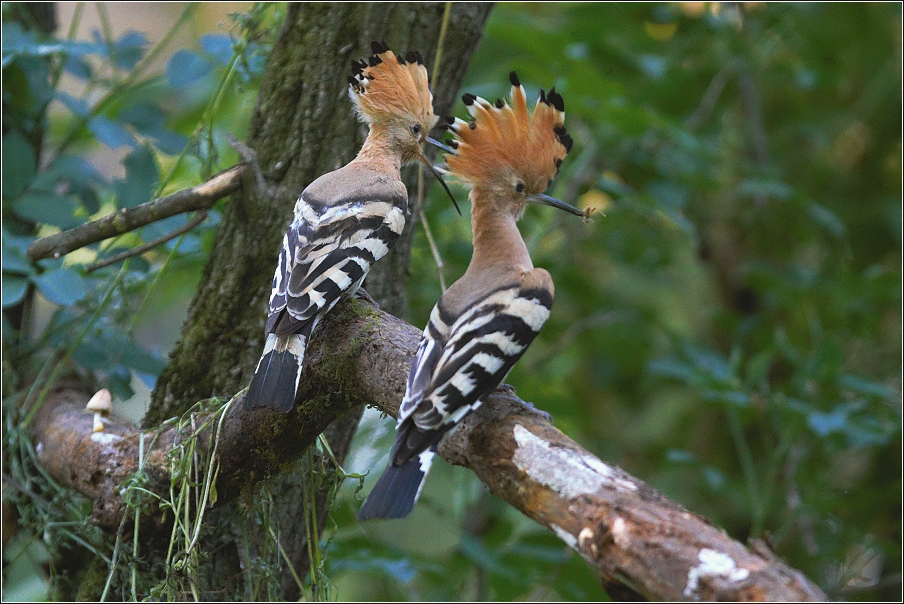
x: 486, y: 320
x: 345, y: 220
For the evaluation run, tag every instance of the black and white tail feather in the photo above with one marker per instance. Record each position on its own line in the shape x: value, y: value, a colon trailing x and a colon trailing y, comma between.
x: 325, y: 255
x: 460, y: 359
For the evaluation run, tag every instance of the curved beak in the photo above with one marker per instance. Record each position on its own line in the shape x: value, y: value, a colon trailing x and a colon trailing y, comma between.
x: 445, y: 148
x: 556, y: 203
x: 433, y: 171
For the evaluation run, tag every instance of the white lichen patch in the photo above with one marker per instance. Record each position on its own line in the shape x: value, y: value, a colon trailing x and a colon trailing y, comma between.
x: 713, y: 564
x: 566, y: 471
x: 619, y: 532
x: 565, y: 536
x: 104, y: 438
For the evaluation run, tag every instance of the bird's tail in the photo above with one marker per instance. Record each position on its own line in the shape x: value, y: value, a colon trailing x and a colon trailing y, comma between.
x: 398, y: 488
x: 276, y: 377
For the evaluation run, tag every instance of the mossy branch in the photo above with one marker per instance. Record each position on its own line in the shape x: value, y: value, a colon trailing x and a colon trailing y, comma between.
x: 634, y: 537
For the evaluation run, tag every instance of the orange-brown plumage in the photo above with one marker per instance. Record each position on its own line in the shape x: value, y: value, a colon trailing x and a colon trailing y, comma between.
x: 387, y: 87
x: 506, y: 144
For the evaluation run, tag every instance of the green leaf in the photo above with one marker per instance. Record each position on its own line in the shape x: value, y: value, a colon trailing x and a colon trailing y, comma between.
x: 14, y: 288
x: 671, y: 367
x: 826, y: 218
x: 670, y: 195
x: 77, y: 67
x: 858, y: 384
x: 18, y: 164
x: 824, y: 424
x: 770, y: 188
x: 142, y: 116
x: 167, y: 141
x: 110, y: 133
x: 78, y: 107
x: 140, y: 181
x: 219, y: 46
x: 17, y: 242
x: 44, y: 207
x: 149, y: 120
x: 732, y: 397
x: 63, y: 286
x: 14, y: 260
x: 187, y: 67
x: 119, y: 382
x: 135, y: 357
x: 129, y: 49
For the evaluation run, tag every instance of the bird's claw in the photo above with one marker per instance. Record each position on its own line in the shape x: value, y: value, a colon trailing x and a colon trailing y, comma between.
x: 507, y: 392
x: 363, y: 295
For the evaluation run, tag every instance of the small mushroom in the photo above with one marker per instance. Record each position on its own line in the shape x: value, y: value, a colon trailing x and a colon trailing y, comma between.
x: 101, y: 404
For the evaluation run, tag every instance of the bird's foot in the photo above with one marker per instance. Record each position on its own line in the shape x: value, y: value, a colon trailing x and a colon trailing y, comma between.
x: 363, y: 295
x: 507, y: 392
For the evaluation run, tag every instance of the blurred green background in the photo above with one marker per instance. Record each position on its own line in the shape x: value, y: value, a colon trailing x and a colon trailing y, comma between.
x: 727, y: 329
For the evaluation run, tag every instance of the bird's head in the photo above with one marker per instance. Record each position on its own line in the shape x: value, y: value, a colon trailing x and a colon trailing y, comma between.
x: 509, y: 153
x: 391, y: 94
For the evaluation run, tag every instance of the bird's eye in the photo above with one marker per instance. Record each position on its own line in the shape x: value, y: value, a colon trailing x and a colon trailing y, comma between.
x: 416, y: 129
x: 519, y: 187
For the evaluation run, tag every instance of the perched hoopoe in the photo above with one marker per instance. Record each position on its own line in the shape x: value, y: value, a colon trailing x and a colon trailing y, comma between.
x: 345, y: 220
x: 486, y: 320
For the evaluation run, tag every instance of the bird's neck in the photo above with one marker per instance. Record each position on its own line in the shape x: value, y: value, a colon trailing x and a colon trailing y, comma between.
x: 378, y: 150
x: 497, y: 241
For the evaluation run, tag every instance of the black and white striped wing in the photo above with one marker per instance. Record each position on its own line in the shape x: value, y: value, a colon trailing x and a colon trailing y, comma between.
x: 429, y: 352
x: 482, y: 346
x: 326, y: 253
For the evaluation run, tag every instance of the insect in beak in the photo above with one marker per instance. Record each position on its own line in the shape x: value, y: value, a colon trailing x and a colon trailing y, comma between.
x: 556, y: 203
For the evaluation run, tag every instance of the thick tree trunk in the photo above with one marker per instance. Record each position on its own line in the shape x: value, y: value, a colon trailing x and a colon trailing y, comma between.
x: 302, y: 127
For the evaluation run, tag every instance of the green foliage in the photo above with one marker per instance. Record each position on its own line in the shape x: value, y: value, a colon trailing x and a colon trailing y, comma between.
x: 728, y: 328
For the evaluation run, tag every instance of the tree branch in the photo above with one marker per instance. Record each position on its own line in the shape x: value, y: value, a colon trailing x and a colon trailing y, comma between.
x: 197, y: 219
x: 632, y: 535
x: 199, y: 197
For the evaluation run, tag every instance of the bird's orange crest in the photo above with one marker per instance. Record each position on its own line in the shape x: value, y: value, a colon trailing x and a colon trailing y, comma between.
x: 387, y: 86
x: 505, y: 138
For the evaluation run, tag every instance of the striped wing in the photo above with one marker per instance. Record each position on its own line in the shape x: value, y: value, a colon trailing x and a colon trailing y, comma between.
x: 452, y: 372
x: 326, y: 253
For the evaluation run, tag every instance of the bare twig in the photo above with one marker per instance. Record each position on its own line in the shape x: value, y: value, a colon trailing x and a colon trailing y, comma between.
x: 137, y: 251
x: 437, y: 57
x: 632, y: 535
x: 420, y: 212
x: 199, y: 197
x: 755, y: 122
x: 708, y: 100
